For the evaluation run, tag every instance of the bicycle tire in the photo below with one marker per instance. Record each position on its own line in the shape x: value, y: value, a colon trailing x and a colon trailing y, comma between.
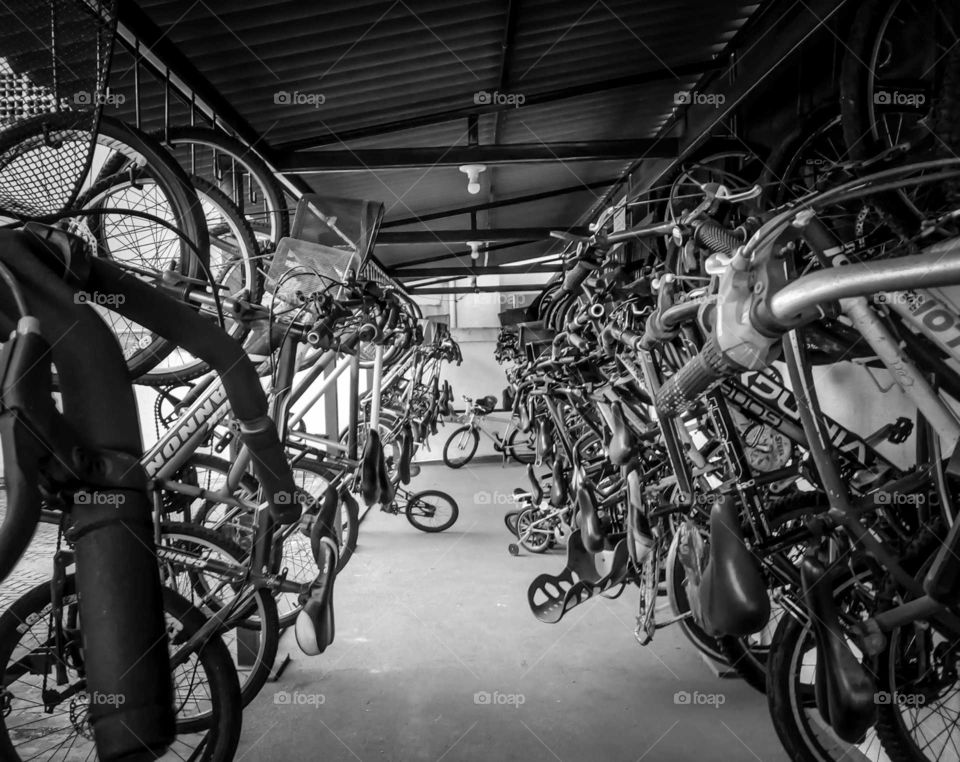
x: 263, y: 607
x: 521, y: 453
x: 803, y: 740
x: 223, y: 731
x: 250, y: 283
x: 523, y: 520
x: 129, y: 145
x: 296, y: 555
x: 463, y: 430
x: 454, y: 510
x: 274, y: 199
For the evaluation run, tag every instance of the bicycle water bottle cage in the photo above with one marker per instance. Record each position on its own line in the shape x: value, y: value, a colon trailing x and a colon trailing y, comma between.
x: 733, y: 592
x: 622, y: 446
x: 315, y: 627
x: 551, y: 596
x: 844, y: 690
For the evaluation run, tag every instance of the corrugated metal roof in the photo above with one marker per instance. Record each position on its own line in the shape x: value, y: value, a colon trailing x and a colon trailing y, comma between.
x: 377, y: 62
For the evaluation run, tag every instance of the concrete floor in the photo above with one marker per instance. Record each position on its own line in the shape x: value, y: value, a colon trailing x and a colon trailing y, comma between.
x: 425, y: 623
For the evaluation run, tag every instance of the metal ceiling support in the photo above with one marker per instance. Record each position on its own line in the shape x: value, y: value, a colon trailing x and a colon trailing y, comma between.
x: 478, y: 289
x: 506, y: 58
x: 532, y: 99
x: 462, y: 254
x: 515, y: 200
x: 363, y: 159
x: 462, y: 236
x: 134, y: 23
x: 759, y: 49
x: 465, y: 271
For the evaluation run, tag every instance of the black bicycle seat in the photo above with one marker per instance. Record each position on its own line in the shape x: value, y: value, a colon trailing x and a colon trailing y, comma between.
x: 370, y: 468
x: 591, y: 529
x: 559, y: 490
x: 535, y: 489
x: 845, y: 691
x: 733, y: 592
x: 622, y: 446
x: 486, y: 404
x: 545, y: 440
x: 315, y: 628
x: 406, y: 452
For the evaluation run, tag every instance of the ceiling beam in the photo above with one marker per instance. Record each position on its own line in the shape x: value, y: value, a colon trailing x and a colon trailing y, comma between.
x: 363, y: 159
x: 414, y: 291
x: 462, y: 254
x: 768, y: 39
x: 160, y: 47
x: 465, y: 271
x: 388, y: 237
x: 513, y: 201
x: 531, y: 99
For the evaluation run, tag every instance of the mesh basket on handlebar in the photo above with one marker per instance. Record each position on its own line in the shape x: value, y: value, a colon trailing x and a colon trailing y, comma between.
x: 54, y: 59
x: 328, y: 237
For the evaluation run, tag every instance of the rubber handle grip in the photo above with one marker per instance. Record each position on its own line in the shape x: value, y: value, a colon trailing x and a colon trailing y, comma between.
x: 697, y: 376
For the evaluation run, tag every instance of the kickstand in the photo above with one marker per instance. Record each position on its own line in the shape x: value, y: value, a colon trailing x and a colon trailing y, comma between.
x: 279, y: 667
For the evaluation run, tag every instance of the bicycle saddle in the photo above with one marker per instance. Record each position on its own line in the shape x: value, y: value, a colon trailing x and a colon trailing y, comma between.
x: 591, y: 529
x: 370, y: 468
x: 387, y: 488
x: 622, y: 445
x: 526, y: 416
x: 551, y: 596
x: 536, y: 490
x: 545, y: 440
x: 733, y: 592
x: 559, y: 491
x: 406, y: 452
x: 845, y: 691
x: 315, y: 628
x: 486, y: 404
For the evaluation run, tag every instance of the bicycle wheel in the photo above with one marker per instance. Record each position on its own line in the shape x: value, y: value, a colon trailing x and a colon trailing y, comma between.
x: 237, y: 524
x: 236, y: 169
x: 432, y: 510
x: 204, y: 685
x: 169, y: 196
x: 521, y: 446
x: 251, y: 634
x: 460, y: 447
x: 233, y: 267
x: 790, y: 686
x: 535, y: 540
x: 918, y: 674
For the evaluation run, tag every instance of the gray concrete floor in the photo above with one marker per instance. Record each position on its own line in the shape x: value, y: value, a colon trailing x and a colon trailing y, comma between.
x: 428, y: 626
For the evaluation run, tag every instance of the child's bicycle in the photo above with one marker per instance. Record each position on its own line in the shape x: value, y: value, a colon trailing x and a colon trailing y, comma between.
x: 429, y: 510
x: 462, y: 444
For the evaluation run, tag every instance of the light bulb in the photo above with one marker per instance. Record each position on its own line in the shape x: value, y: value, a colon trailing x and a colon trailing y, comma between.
x: 472, y: 171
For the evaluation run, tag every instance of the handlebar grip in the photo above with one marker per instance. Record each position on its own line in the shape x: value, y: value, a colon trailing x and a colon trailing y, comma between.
x: 576, y: 275
x: 697, y: 376
x: 716, y: 237
x: 577, y: 341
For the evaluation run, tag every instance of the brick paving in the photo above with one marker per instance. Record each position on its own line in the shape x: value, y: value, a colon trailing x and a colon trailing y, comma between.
x: 34, y: 567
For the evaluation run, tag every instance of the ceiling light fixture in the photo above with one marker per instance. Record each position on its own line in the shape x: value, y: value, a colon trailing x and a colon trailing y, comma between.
x: 474, y: 249
x: 472, y: 171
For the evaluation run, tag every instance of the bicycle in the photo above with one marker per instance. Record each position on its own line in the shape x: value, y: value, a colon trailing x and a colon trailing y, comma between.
x: 462, y: 444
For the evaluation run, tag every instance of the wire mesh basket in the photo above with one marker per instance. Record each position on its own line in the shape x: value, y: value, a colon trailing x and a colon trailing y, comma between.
x: 54, y: 64
x: 329, y: 236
